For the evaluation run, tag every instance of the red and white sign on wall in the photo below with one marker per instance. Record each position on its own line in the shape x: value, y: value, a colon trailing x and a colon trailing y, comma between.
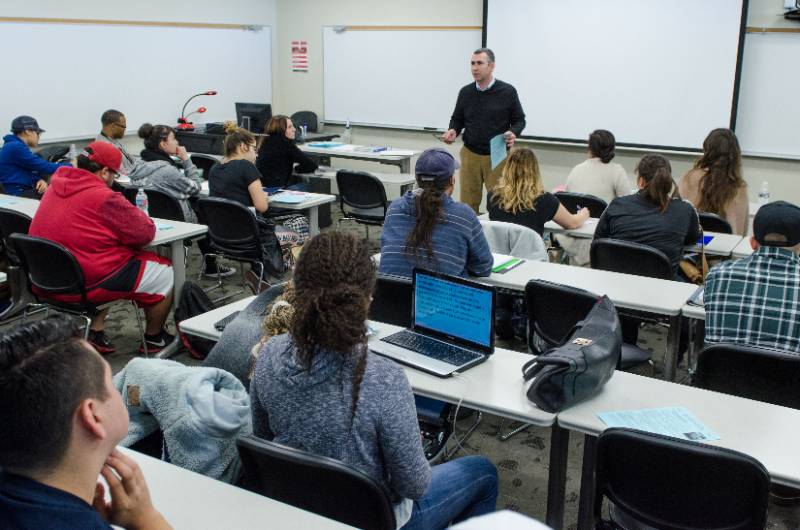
x: 299, y: 56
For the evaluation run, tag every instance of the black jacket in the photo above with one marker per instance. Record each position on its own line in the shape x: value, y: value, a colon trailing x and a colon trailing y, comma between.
x: 276, y: 160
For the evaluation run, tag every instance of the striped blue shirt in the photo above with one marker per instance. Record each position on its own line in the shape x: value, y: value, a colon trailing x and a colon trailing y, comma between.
x: 755, y: 300
x: 459, y: 246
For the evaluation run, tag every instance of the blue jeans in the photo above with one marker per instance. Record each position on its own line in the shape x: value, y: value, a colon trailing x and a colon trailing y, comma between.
x: 459, y: 489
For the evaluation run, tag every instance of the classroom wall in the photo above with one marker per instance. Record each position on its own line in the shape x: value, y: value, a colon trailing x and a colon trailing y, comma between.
x: 304, y: 19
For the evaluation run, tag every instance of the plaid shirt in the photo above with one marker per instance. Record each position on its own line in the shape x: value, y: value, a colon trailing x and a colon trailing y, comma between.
x: 755, y: 300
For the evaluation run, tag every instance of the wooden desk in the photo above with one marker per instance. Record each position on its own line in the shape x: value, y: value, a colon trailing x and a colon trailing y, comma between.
x: 346, y: 151
x: 191, y: 500
x: 766, y: 432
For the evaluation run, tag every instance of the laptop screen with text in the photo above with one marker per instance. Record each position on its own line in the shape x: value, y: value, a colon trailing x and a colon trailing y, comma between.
x: 454, y: 308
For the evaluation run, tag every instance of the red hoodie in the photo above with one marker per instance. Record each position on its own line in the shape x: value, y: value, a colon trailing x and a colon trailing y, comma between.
x: 98, y: 225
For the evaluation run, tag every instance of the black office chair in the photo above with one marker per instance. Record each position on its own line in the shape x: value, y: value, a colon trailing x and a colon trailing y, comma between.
x: 233, y: 233
x: 575, y: 201
x: 163, y: 205
x: 665, y: 482
x: 204, y: 163
x: 130, y: 193
x: 712, y: 222
x: 13, y: 222
x: 628, y: 257
x: 314, y: 483
x: 391, y: 300
x: 53, y: 153
x: 53, y: 270
x: 307, y: 118
x: 364, y: 197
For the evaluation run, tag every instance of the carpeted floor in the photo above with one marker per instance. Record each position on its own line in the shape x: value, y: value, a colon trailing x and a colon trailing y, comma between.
x: 522, y: 461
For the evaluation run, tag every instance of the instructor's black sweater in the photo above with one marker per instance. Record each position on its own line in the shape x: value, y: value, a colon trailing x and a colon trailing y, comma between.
x: 484, y: 115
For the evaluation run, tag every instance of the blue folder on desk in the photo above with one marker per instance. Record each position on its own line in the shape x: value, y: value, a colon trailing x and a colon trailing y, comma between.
x: 326, y: 145
x: 288, y: 198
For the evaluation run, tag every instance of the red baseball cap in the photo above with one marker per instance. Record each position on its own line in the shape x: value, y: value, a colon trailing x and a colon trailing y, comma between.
x: 105, y: 154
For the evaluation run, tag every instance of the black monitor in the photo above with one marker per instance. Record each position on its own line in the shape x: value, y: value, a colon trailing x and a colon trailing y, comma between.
x: 258, y: 115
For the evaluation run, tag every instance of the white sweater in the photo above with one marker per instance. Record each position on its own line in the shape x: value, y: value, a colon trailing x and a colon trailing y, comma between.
x: 592, y: 176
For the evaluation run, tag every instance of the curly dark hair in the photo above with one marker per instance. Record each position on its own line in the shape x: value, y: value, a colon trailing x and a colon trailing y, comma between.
x: 722, y: 162
x: 333, y: 282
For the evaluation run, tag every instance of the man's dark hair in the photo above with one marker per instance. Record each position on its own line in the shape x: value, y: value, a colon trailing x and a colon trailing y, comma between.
x: 110, y: 116
x: 45, y: 372
x: 489, y: 53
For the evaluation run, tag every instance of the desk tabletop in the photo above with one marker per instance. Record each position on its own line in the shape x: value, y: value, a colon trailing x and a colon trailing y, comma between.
x: 203, y: 325
x: 743, y: 249
x: 767, y: 432
x: 585, y: 231
x: 349, y: 151
x: 19, y: 204
x: 191, y: 500
x: 400, y: 179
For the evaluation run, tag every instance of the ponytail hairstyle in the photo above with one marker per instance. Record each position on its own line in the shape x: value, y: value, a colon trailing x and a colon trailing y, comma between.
x: 235, y: 137
x: 656, y: 172
x: 429, y: 212
x: 153, y: 135
x: 602, y: 145
x: 722, y: 162
x: 332, y: 287
x: 520, y: 184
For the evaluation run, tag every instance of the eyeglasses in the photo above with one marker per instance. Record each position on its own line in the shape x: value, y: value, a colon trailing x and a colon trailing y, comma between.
x: 122, y: 125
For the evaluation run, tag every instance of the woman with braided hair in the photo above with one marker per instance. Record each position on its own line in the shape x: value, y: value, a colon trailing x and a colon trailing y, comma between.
x: 318, y: 388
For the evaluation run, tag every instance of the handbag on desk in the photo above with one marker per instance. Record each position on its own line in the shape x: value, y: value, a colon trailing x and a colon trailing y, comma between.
x: 578, y: 368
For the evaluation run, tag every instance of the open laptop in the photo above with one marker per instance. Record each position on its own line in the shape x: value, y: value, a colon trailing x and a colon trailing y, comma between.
x: 452, y: 325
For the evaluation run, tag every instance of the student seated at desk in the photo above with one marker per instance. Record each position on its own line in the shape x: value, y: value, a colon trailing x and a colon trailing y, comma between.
x: 655, y: 216
x: 114, y: 126
x: 715, y: 183
x: 427, y: 228
x: 320, y: 389
x: 21, y: 171
x: 519, y: 196
x: 106, y: 234
x: 756, y: 300
x: 62, y: 419
x: 278, y: 155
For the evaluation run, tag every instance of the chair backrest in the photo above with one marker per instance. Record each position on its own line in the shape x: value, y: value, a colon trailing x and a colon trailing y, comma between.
x: 515, y: 240
x: 630, y: 258
x: 665, y: 482
x: 575, y: 201
x: 358, y: 189
x: 12, y: 222
x: 307, y: 118
x: 49, y: 266
x: 751, y: 372
x: 163, y: 206
x: 232, y: 227
x: 712, y: 222
x: 391, y: 300
x: 204, y: 162
x: 314, y: 483
x: 553, y: 310
x: 130, y: 193
x: 53, y: 153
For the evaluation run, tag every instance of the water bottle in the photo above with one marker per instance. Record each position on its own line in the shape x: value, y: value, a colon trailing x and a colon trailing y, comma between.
x: 347, y: 135
x: 73, y: 152
x: 763, y: 195
x: 141, y: 201
x: 301, y: 134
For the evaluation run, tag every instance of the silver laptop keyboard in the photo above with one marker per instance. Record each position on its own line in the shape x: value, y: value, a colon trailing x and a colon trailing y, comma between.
x: 441, y: 351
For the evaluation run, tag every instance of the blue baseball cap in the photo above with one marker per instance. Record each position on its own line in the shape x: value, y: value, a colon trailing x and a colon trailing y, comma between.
x: 435, y: 165
x: 25, y: 123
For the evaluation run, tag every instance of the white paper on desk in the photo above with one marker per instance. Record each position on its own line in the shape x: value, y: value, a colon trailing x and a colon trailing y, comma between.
x: 163, y: 226
x: 288, y: 198
x: 497, y: 148
x: 677, y: 422
x: 7, y: 202
x: 397, y: 152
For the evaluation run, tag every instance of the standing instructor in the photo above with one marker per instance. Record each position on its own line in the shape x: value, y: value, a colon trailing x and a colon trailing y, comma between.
x: 484, y: 109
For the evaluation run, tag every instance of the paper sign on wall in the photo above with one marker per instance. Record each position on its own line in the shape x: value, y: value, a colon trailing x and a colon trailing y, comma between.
x: 299, y: 56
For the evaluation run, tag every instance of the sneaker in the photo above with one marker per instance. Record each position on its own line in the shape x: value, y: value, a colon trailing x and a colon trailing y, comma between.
x: 156, y: 343
x: 99, y: 340
x: 214, y: 271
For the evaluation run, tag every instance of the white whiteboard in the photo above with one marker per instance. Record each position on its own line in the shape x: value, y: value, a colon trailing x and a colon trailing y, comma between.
x: 397, y: 78
x: 66, y: 75
x: 653, y: 72
x: 769, y: 113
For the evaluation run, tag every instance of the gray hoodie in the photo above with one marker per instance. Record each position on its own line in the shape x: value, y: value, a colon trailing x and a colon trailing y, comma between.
x: 163, y: 176
x: 310, y: 409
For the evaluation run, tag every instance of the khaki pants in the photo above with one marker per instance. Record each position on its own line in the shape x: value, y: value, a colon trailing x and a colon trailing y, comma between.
x: 475, y: 171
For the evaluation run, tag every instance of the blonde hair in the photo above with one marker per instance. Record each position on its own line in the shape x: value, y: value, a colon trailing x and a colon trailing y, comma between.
x: 520, y: 184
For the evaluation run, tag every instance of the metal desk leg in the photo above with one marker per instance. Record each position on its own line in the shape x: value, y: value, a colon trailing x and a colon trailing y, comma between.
x: 179, y: 272
x: 313, y: 221
x: 557, y: 477
x: 405, y: 165
x: 673, y: 343
x: 586, y: 500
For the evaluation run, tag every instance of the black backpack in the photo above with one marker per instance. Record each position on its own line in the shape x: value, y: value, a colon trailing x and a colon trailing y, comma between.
x: 193, y: 301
